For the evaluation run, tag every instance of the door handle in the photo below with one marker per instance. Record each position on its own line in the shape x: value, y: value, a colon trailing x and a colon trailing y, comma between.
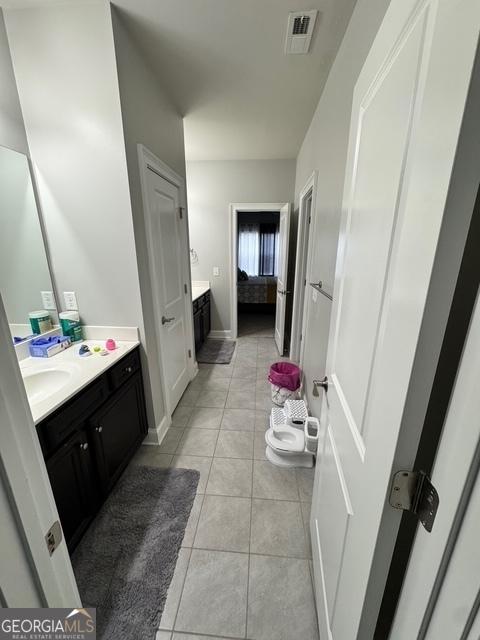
x: 284, y: 292
x: 167, y: 320
x: 320, y: 383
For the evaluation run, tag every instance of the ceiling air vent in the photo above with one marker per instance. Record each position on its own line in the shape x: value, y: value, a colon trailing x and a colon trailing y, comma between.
x: 299, y: 31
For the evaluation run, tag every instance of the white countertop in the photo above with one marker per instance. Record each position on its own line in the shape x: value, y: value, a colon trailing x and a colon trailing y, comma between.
x: 198, y: 289
x: 78, y: 372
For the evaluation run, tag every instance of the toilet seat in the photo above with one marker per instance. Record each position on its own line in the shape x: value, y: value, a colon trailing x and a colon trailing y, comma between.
x: 286, y: 439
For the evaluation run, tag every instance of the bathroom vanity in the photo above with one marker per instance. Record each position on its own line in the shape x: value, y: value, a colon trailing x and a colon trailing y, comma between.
x: 201, y: 314
x: 88, y: 441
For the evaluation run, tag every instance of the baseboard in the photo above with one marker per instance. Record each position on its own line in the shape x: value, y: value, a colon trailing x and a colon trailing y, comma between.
x: 194, y: 370
x: 220, y: 335
x: 157, y: 434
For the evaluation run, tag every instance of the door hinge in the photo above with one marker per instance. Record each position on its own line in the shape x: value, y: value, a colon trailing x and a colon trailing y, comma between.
x: 309, y: 219
x: 189, y: 353
x: 53, y: 537
x: 185, y: 288
x: 413, y: 491
x: 180, y: 212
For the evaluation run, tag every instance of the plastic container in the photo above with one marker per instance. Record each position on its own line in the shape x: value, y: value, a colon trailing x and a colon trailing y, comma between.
x: 312, y: 430
x: 285, y: 379
x: 71, y: 327
x: 48, y: 346
x: 40, y: 321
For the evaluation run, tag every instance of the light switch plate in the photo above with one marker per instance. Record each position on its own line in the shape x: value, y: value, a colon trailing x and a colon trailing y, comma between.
x: 70, y: 300
x: 48, y: 300
x: 216, y: 271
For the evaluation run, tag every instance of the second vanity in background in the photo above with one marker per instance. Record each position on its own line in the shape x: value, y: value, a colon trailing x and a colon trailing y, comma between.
x: 201, y: 311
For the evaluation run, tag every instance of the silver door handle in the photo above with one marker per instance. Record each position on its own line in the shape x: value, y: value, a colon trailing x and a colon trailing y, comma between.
x: 320, y: 383
x: 167, y: 320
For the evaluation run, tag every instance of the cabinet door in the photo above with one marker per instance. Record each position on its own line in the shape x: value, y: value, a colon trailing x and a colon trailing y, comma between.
x: 206, y: 320
x: 72, y: 476
x: 198, y: 329
x: 117, y: 430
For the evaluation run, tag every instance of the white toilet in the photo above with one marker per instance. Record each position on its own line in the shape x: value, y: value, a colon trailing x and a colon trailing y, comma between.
x: 293, y: 436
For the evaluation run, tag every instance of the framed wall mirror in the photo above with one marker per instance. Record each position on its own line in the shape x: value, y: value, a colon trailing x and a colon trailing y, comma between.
x: 26, y: 284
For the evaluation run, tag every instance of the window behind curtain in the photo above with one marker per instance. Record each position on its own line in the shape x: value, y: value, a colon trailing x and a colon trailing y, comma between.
x: 268, y: 249
x: 258, y: 249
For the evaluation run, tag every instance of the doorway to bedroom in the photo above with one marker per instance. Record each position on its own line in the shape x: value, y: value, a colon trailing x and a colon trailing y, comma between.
x: 259, y: 270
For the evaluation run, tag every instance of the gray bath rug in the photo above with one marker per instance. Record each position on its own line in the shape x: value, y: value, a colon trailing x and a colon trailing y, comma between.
x: 125, y: 562
x: 216, y: 351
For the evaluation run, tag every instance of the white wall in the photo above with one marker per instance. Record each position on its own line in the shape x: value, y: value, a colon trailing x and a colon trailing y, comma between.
x: 212, y: 186
x: 148, y: 118
x: 12, y: 130
x: 325, y: 149
x: 64, y: 63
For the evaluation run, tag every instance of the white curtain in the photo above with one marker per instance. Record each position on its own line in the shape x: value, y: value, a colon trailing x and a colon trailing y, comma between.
x: 249, y: 248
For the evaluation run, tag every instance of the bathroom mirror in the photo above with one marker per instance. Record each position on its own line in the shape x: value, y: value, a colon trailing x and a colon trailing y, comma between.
x: 24, y: 269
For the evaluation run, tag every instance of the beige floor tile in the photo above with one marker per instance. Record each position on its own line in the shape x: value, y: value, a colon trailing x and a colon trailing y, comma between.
x: 230, y: 477
x: 214, y: 599
x: 224, y: 524
x: 234, y: 444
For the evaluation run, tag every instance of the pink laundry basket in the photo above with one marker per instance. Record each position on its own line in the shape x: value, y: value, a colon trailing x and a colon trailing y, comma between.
x: 285, y: 378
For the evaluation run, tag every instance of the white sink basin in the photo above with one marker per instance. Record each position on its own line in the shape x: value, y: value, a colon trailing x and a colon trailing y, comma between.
x: 42, y: 384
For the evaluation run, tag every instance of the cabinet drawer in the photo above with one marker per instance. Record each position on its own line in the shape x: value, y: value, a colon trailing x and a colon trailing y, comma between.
x: 56, y: 429
x: 205, y: 298
x: 196, y: 305
x: 124, y: 369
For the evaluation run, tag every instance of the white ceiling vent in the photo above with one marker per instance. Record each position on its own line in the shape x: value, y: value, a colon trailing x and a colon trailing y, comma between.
x: 299, y: 31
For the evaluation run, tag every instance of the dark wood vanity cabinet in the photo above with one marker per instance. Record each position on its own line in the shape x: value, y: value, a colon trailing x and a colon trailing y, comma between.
x: 117, y: 429
x: 201, y: 319
x: 88, y: 442
x: 72, y: 476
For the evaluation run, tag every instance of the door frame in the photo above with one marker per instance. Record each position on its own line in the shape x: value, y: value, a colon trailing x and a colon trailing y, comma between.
x: 148, y: 161
x: 305, y: 235
x: 23, y: 474
x: 235, y: 209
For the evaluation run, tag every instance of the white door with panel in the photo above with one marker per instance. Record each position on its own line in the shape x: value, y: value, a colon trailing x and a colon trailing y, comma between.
x: 283, y: 238
x: 406, y: 115
x: 166, y: 237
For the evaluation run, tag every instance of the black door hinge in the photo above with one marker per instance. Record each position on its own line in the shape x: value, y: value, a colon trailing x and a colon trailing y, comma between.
x: 413, y: 491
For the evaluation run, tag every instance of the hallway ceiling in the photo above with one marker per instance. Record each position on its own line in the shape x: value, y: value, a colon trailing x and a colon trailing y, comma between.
x: 223, y: 64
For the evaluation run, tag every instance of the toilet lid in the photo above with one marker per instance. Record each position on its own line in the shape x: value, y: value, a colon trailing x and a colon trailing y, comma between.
x: 286, y: 438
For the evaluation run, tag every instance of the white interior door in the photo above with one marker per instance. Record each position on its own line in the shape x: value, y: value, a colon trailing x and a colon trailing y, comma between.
x: 283, y: 237
x: 413, y: 86
x: 451, y: 574
x: 166, y: 237
x: 29, y: 575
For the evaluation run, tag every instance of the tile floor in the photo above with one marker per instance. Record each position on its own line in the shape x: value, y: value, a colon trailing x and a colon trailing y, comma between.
x: 256, y: 325
x: 244, y: 570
